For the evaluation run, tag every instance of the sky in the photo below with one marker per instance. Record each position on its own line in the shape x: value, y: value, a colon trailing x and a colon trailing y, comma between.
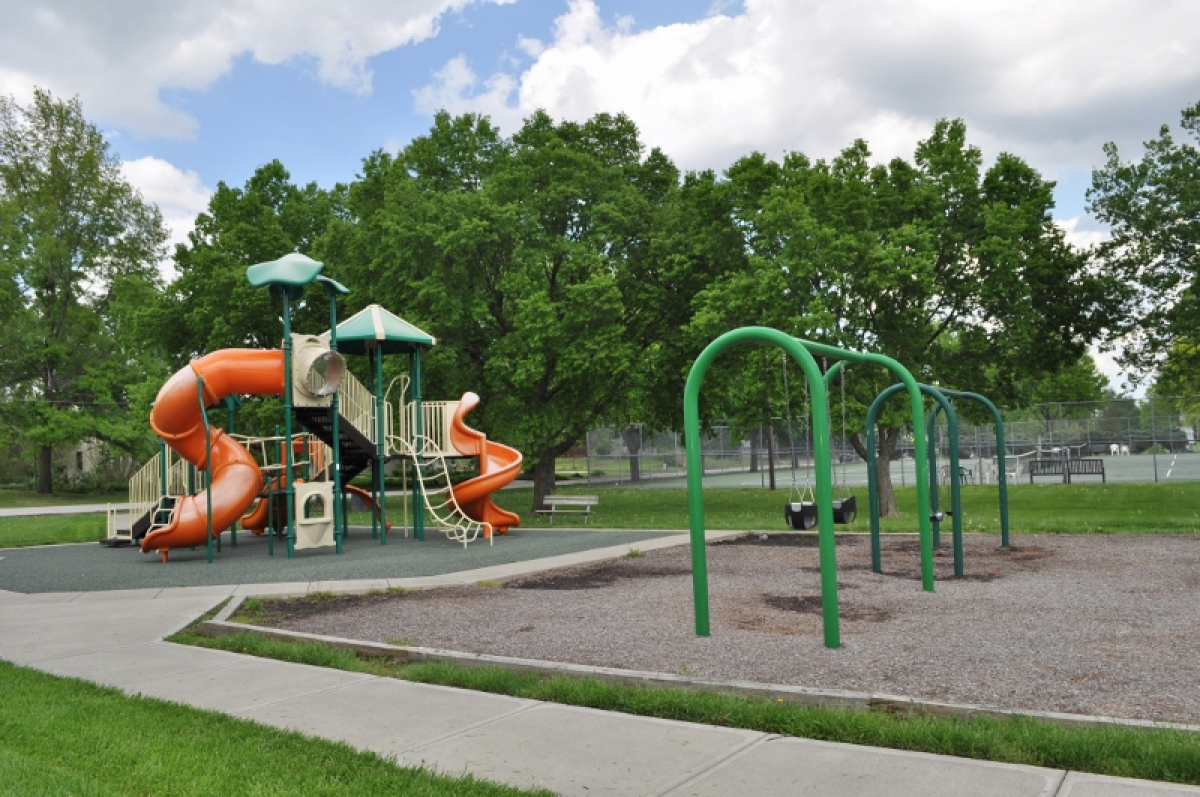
x: 191, y: 93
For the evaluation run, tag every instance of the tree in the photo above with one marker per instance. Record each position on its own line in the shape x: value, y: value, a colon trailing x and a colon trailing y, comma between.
x: 1071, y: 392
x: 524, y: 257
x: 73, y: 234
x: 1152, y: 208
x: 211, y: 305
x: 958, y: 273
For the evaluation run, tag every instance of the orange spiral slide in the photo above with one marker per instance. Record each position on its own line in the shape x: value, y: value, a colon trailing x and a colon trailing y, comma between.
x: 498, y: 466
x: 176, y: 418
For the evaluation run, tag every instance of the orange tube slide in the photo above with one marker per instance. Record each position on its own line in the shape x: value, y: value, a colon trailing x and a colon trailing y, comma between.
x: 176, y: 418
x: 499, y: 465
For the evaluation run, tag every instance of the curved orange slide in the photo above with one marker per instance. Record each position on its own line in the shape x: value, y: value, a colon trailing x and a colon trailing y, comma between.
x: 498, y: 466
x: 176, y: 418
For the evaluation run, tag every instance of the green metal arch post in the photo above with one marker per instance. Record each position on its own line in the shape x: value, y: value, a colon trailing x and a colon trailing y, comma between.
x: 801, y: 351
x: 920, y: 449
x: 942, y: 403
x: 1002, y: 476
x: 909, y: 383
x: 824, y: 492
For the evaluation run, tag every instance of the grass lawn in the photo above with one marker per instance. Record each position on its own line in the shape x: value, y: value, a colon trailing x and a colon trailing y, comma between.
x: 65, y: 736
x: 18, y: 532
x: 10, y: 498
x: 1163, y: 755
x: 1164, y: 508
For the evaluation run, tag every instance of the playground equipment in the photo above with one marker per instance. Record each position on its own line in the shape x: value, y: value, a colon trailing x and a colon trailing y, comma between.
x: 800, y: 512
x: 941, y: 403
x: 801, y: 351
x: 234, y: 479
x: 299, y: 480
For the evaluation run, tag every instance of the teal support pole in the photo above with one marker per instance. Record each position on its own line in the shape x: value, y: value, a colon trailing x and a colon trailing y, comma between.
x: 334, y: 289
x: 289, y: 488
x: 372, y: 353
x: 231, y: 404
x: 162, y: 466
x: 824, y: 488
x: 380, y: 445
x: 208, y: 538
x: 419, y: 428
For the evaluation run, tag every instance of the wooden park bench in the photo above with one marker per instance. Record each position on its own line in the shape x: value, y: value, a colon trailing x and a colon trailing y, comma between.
x: 1066, y: 468
x: 1086, y: 467
x: 582, y: 505
x: 1047, y: 467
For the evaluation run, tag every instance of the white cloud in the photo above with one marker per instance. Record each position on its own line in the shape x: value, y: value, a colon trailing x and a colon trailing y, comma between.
x: 180, y: 196
x: 456, y: 88
x: 121, y: 54
x: 1048, y: 81
x: 1083, y: 231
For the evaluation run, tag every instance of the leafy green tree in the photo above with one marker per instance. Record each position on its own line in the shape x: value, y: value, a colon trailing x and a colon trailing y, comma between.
x: 1152, y: 208
x: 527, y: 258
x: 958, y: 273
x: 211, y: 305
x: 73, y: 235
x: 1072, y: 392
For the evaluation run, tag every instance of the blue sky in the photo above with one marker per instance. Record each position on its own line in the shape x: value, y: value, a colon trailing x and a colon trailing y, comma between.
x: 195, y: 92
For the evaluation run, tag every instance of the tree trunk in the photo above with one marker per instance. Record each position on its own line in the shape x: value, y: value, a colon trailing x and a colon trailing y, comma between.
x: 45, y: 465
x: 888, y: 439
x: 883, y: 472
x: 754, y: 441
x: 631, y: 435
x: 543, y: 480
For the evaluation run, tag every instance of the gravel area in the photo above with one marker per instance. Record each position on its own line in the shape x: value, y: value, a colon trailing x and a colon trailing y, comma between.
x: 1092, y: 625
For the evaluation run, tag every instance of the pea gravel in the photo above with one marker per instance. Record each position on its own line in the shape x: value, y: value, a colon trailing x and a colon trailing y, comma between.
x: 1097, y: 625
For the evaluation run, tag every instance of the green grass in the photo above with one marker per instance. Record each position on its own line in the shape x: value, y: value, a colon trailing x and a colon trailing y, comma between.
x: 11, y: 498
x: 18, y: 532
x: 1164, y: 508
x: 64, y: 736
x: 1163, y: 755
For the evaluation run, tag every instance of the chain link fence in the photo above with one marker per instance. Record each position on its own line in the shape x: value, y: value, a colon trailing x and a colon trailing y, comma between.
x: 1146, y: 440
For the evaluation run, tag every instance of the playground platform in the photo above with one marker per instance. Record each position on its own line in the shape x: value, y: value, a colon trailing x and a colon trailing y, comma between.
x: 71, y: 631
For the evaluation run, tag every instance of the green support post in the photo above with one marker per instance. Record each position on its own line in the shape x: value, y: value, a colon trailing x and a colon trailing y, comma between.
x: 162, y: 466
x: 208, y: 538
x: 289, y: 489
x: 380, y: 446
x: 334, y: 290
x: 418, y: 495
x: 231, y: 405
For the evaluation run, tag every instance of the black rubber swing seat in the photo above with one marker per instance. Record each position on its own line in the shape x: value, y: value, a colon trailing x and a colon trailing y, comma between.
x: 801, y: 515
x: 845, y: 510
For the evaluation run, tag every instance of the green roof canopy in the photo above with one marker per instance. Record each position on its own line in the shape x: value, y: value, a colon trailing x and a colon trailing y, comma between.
x: 374, y: 326
x: 288, y: 275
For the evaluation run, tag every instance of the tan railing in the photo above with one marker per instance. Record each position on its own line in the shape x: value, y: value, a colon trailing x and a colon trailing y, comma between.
x: 357, y: 405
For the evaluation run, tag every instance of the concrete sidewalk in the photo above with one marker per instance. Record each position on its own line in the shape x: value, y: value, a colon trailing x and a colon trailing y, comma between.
x: 114, y: 638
